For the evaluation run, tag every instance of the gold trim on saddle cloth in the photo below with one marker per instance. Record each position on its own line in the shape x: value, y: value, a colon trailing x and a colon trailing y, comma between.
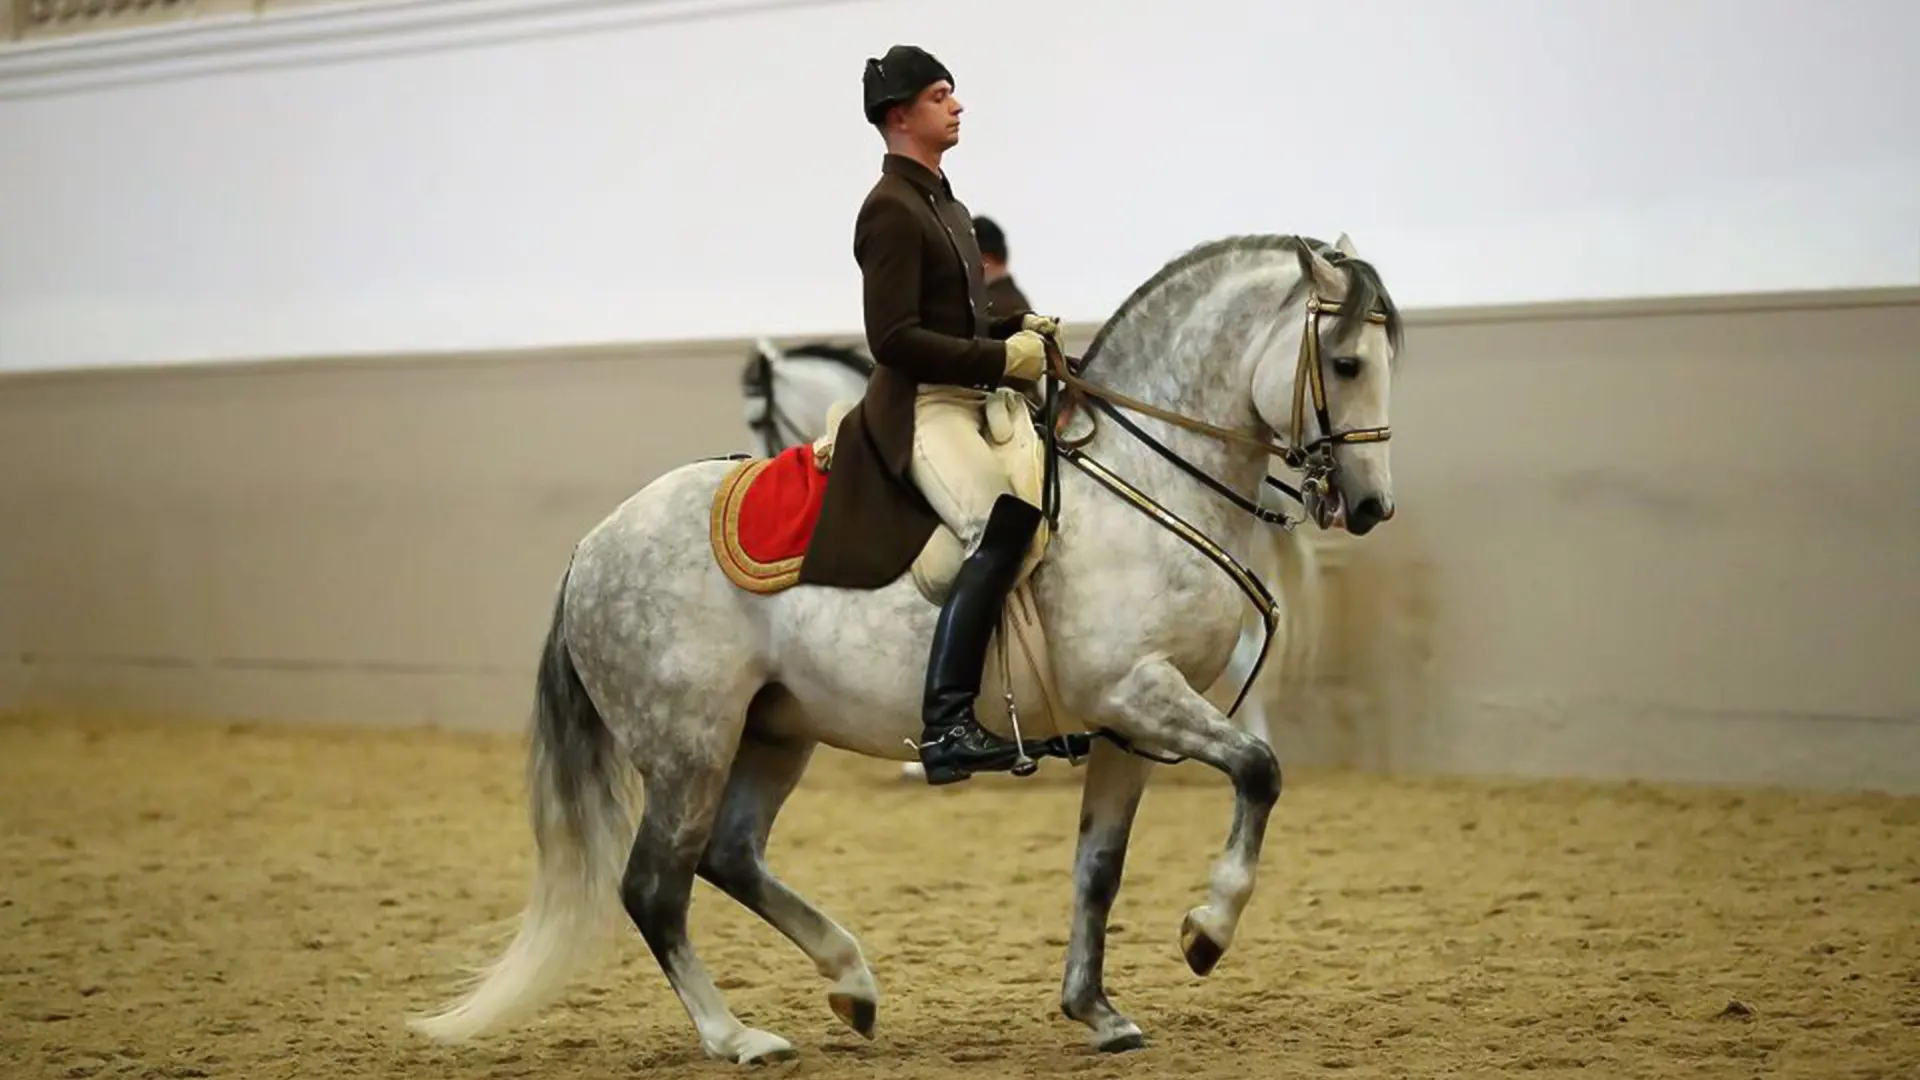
x: 724, y: 531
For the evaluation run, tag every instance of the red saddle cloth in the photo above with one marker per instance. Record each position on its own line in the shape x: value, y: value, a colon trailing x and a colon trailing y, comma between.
x: 764, y: 512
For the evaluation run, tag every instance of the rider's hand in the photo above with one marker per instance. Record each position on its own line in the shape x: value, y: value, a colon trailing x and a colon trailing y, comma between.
x: 1026, y: 355
x: 1044, y: 325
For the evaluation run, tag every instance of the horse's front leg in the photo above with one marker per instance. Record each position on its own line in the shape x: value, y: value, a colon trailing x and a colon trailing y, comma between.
x: 1154, y: 704
x: 1115, y: 781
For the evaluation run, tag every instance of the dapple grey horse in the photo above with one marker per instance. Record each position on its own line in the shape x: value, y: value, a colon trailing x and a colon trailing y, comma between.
x: 657, y: 668
x: 787, y: 392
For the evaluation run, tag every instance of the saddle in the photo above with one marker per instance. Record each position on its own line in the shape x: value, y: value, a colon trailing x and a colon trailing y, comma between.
x: 762, y: 519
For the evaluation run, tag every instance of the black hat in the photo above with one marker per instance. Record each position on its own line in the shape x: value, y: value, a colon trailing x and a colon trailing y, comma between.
x: 898, y: 77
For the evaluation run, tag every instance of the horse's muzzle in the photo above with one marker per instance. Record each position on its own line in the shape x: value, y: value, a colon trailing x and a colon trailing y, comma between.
x: 1367, y: 513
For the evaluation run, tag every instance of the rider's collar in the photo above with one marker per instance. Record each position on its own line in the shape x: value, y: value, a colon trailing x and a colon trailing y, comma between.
x: 909, y: 169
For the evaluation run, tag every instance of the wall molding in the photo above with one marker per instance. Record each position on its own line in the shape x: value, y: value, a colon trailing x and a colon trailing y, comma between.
x: 339, y: 30
x: 737, y: 348
x: 70, y: 18
x: 1637, y: 307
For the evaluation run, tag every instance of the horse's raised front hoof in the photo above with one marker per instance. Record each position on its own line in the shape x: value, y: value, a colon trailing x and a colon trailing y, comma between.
x: 858, y: 1013
x: 1199, y: 947
x: 751, y: 1046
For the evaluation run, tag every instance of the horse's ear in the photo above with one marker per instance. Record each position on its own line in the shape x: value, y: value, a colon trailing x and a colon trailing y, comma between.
x: 1327, y: 279
x: 1344, y: 246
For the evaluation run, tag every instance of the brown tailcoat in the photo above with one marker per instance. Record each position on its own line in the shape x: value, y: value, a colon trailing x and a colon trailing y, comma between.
x: 925, y: 300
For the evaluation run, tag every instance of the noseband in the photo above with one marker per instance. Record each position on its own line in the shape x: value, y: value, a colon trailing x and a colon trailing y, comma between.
x: 1313, y: 459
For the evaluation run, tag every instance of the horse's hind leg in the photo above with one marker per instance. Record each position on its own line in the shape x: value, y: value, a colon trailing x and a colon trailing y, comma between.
x: 1114, y: 784
x: 1155, y: 705
x: 764, y: 774
x: 683, y: 794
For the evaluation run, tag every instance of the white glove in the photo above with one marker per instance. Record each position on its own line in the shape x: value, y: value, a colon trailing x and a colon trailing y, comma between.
x: 1026, y: 355
x: 1044, y: 325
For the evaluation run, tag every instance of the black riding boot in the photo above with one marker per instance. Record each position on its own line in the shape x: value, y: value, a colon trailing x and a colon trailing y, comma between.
x: 954, y: 745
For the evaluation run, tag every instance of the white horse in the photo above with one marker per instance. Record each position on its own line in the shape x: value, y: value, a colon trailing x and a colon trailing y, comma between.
x: 787, y: 394
x: 657, y: 666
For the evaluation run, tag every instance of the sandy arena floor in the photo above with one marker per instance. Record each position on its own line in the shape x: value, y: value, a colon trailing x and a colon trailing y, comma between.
x: 193, y: 901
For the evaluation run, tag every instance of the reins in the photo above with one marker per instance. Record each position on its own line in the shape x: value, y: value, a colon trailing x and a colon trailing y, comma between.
x: 1314, y: 460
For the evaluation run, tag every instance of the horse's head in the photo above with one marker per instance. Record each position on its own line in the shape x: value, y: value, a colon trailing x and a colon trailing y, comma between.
x: 1328, y: 400
x: 756, y: 392
x: 788, y: 393
x: 757, y: 372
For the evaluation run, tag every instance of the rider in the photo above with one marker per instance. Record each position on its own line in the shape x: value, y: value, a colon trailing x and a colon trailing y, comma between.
x: 928, y: 329
x: 1003, y: 296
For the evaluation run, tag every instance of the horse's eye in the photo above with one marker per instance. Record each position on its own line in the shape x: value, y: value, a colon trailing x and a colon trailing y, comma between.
x: 1346, y: 366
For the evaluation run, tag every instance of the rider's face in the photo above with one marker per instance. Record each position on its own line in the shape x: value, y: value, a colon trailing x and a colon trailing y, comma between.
x: 932, y: 119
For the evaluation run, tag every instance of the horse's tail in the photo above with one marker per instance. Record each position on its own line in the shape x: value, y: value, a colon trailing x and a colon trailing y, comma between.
x: 582, y: 827
x: 1303, y: 602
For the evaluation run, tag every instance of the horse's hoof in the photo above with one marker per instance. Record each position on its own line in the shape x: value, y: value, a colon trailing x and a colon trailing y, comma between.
x: 855, y: 1012
x: 1121, y: 1040
x: 751, y: 1046
x: 1201, y: 951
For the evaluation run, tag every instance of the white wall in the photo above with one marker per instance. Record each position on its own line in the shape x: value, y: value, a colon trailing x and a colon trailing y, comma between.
x: 431, y: 175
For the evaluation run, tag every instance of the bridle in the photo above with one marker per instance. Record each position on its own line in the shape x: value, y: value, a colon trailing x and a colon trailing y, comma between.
x: 1312, y: 458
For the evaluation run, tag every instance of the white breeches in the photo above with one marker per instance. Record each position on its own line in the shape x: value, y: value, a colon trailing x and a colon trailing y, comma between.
x: 952, y: 464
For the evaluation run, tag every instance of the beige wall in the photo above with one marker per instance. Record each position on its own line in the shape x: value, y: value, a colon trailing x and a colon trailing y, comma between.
x: 1683, y: 545
x: 1663, y: 543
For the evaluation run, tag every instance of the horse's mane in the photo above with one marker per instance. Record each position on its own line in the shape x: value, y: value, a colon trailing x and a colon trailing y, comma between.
x: 847, y: 355
x: 1203, y: 265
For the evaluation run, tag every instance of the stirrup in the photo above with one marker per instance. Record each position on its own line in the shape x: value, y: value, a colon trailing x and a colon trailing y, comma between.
x: 1022, y: 764
x: 949, y: 740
